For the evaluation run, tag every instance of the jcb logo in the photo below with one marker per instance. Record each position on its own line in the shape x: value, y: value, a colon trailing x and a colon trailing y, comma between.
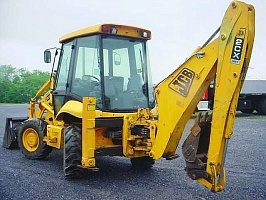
x: 182, y: 82
x: 237, y: 48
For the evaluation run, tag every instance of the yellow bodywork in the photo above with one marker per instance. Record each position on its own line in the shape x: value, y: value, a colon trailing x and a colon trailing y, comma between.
x: 93, y: 138
x: 41, y: 106
x: 176, y: 97
x: 30, y: 140
x: 238, y: 23
x: 180, y: 92
x: 180, y: 100
x: 122, y: 30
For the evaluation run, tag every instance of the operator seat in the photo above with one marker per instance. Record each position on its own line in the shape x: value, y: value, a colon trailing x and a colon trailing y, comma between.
x: 134, y: 97
x: 114, y: 90
x: 134, y: 83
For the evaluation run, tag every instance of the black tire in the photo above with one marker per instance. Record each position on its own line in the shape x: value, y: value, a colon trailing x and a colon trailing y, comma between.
x: 72, y: 152
x: 38, y: 150
x: 247, y: 111
x: 262, y: 107
x: 142, y: 162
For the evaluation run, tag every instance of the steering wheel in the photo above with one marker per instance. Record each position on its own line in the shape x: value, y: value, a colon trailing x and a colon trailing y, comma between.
x: 95, y: 87
x: 86, y: 77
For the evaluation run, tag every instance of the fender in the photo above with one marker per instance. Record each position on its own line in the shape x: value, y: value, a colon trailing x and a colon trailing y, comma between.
x: 55, y: 132
x: 72, y: 107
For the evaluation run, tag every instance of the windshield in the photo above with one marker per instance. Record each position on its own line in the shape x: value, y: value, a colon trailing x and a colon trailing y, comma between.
x: 126, y: 73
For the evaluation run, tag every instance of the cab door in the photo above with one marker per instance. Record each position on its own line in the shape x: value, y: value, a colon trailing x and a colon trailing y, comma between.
x: 61, y: 83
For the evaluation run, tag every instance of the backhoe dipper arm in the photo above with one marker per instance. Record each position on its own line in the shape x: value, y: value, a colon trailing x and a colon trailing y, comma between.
x: 227, y: 58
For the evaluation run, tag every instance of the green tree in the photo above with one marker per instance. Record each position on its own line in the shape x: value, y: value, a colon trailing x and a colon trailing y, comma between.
x: 19, y: 85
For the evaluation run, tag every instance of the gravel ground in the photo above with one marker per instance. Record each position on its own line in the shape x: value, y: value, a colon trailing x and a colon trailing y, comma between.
x: 30, y: 179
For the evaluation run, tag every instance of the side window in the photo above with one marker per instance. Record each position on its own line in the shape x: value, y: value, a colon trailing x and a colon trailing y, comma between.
x: 106, y: 62
x: 64, y: 66
x: 138, y: 49
x: 137, y: 75
x: 139, y: 57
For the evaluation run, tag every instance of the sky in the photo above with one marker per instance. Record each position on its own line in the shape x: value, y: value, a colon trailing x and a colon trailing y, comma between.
x: 28, y: 27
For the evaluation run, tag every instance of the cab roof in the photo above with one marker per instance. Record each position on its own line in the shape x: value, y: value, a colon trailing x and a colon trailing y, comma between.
x: 112, y: 29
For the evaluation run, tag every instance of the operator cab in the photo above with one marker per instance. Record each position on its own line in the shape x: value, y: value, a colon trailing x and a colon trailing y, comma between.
x: 109, y: 62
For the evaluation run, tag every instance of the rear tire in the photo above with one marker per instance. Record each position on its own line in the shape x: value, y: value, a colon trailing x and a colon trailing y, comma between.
x: 142, y: 162
x: 262, y: 107
x: 72, y: 152
x: 247, y: 111
x: 30, y: 139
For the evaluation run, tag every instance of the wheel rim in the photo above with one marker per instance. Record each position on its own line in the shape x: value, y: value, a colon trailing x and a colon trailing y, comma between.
x: 30, y: 139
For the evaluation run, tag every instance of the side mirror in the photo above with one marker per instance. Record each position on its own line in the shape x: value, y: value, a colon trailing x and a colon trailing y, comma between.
x: 117, y: 59
x: 47, y: 56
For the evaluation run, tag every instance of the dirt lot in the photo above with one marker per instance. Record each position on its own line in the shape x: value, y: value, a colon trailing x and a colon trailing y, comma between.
x: 30, y: 179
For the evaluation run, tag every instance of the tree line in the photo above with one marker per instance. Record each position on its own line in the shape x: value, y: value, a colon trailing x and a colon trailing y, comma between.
x: 19, y: 85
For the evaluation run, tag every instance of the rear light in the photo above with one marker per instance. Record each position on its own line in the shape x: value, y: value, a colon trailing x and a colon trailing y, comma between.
x: 109, y: 29
x: 125, y: 31
x: 205, y: 95
x: 106, y: 29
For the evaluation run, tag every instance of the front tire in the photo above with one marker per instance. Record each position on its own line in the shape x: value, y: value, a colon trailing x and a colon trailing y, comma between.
x: 72, y: 152
x: 30, y: 139
x: 142, y: 162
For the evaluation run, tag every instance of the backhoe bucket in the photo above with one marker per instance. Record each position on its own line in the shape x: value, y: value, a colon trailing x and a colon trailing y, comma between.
x: 195, y: 148
x: 11, y: 132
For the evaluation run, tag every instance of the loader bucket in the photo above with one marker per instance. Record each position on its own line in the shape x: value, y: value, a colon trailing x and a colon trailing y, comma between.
x: 11, y: 132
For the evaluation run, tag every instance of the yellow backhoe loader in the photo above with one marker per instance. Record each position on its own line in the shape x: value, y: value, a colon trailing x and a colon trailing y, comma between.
x: 100, y: 101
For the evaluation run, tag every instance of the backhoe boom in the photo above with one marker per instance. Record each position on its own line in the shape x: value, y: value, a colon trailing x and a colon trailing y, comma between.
x: 226, y: 58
